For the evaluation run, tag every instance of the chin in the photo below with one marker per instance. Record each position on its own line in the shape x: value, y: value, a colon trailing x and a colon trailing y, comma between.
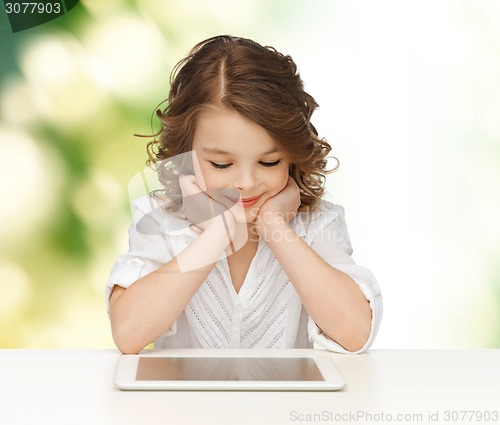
x: 251, y: 216
x: 252, y: 213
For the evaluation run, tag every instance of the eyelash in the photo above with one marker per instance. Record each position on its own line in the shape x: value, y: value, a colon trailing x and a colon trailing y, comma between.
x: 264, y: 164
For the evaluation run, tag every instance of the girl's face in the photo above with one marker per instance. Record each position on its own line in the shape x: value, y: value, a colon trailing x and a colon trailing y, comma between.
x: 236, y: 154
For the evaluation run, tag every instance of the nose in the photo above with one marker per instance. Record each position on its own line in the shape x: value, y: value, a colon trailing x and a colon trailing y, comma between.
x: 246, y: 181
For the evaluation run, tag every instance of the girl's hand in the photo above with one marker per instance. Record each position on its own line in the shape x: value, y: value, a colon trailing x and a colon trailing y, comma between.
x: 199, y: 208
x: 203, y: 211
x: 281, y: 208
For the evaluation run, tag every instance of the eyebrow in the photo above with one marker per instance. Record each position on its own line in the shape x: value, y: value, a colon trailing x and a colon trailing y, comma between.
x: 217, y: 151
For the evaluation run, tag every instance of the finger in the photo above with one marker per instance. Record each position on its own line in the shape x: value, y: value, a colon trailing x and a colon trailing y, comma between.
x: 226, y: 197
x: 198, y: 205
x: 188, y: 185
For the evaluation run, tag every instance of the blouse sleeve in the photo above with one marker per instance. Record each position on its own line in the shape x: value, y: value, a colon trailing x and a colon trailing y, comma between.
x: 330, y: 239
x: 148, y: 249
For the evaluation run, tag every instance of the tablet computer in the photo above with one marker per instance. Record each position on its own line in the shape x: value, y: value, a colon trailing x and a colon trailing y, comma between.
x: 229, y: 370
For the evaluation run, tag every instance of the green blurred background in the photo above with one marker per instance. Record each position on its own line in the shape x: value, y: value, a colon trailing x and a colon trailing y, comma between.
x: 410, y: 100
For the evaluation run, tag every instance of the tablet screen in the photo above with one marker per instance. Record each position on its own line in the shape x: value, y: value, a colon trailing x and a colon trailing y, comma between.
x: 227, y: 369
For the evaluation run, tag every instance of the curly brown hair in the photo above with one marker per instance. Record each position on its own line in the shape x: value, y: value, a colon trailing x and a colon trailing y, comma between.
x: 257, y: 82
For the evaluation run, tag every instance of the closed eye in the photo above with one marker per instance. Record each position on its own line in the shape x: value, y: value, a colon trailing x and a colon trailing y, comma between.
x: 220, y: 166
x: 227, y: 165
x: 270, y: 164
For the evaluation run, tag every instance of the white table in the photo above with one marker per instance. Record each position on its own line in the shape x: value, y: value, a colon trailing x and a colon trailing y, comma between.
x: 76, y: 387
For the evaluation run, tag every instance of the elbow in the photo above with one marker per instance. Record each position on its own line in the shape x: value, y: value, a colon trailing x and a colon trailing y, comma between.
x: 353, y: 342
x: 127, y: 346
x: 124, y: 342
x: 360, y: 334
x: 127, y: 350
x: 352, y: 334
x: 356, y: 344
x: 127, y: 337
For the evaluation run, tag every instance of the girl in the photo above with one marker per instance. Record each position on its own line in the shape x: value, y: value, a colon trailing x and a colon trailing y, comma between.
x: 247, y: 254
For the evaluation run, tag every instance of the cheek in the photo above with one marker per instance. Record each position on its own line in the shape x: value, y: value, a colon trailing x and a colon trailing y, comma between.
x: 280, y: 180
x: 209, y: 178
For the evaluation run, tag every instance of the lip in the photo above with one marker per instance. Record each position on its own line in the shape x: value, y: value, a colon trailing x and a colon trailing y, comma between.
x: 246, y: 202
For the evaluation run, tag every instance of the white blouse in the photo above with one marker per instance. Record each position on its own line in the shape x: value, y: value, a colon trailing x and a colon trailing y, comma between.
x: 267, y: 311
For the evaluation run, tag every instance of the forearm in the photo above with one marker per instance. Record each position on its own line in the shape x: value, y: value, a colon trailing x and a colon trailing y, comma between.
x: 150, y: 306
x: 332, y: 298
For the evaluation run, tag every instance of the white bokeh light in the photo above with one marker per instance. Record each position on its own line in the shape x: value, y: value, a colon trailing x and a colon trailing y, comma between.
x: 55, y: 67
x: 30, y: 179
x: 127, y: 56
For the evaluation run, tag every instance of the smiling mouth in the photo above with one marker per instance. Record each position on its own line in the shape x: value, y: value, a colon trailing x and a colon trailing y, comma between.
x: 246, y: 202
